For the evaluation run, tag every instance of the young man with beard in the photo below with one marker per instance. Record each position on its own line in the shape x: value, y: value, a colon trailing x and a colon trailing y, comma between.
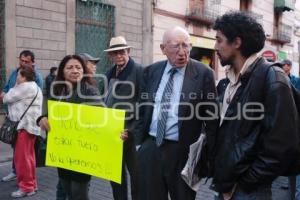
x: 257, y: 138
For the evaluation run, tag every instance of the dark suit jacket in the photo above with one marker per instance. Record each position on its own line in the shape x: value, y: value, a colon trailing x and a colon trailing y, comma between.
x: 198, y: 87
x: 132, y: 73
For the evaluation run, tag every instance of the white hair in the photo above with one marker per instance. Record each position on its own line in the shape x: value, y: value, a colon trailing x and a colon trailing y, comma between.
x: 176, y: 29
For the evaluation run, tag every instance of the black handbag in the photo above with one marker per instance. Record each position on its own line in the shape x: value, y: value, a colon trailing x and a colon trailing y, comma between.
x: 8, y: 131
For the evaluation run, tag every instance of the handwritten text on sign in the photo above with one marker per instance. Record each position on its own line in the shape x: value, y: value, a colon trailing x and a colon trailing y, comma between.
x: 85, y: 139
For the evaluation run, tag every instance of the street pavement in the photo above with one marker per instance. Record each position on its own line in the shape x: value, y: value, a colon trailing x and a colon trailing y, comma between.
x: 99, y: 190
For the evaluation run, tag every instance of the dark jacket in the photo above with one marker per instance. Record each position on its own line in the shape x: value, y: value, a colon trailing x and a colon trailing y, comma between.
x: 49, y: 79
x: 198, y: 87
x: 86, y: 90
x: 253, y: 152
x: 132, y: 73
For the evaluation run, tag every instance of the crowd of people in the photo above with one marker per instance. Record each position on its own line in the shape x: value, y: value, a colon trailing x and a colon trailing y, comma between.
x: 250, y: 120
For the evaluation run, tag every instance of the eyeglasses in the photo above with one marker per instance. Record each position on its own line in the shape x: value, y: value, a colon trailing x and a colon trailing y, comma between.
x: 118, y: 52
x: 176, y: 47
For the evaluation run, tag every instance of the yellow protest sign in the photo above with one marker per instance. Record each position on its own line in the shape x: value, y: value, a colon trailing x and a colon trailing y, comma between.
x: 85, y: 139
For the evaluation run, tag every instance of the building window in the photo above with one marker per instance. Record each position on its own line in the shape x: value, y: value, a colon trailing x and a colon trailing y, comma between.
x: 95, y: 24
x: 282, y: 32
x: 245, y: 5
x: 203, y: 12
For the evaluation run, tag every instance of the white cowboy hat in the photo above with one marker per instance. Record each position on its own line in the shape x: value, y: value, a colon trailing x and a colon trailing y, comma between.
x: 117, y: 43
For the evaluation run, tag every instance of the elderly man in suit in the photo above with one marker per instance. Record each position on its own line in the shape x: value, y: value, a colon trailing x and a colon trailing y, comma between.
x: 124, y: 86
x: 177, y: 97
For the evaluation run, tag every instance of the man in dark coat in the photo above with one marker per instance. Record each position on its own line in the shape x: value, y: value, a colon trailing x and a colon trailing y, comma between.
x: 123, y: 90
x: 49, y: 79
x: 178, y: 95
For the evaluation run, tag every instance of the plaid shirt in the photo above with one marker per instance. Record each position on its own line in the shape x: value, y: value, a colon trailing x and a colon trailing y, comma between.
x: 18, y: 99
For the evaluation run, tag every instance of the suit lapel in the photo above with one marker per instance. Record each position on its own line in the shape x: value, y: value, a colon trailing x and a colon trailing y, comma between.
x: 156, y: 77
x: 188, y: 87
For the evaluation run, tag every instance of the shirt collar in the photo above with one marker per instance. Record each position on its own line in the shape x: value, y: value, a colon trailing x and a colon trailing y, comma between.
x: 120, y: 68
x: 234, y: 79
x: 180, y: 70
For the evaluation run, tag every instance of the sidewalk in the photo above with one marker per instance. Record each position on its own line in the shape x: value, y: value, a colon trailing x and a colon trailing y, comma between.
x: 99, y: 190
x: 5, y: 152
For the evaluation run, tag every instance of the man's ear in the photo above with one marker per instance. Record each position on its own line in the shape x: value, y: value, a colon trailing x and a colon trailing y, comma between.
x: 162, y: 47
x: 128, y: 51
x: 237, y: 42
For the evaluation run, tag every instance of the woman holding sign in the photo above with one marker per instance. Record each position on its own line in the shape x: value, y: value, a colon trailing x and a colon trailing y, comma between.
x: 70, y: 79
x: 70, y: 75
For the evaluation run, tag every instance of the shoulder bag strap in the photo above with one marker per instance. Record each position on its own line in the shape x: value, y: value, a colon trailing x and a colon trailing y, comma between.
x: 30, y: 104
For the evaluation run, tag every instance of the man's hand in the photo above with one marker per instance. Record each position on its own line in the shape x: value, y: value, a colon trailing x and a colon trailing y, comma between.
x: 124, y: 135
x: 228, y: 196
x: 44, y: 124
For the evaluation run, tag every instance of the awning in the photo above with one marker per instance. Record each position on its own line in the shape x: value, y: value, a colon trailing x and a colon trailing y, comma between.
x: 203, y: 42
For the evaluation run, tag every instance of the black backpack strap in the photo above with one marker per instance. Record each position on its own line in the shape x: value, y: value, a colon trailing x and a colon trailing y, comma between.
x: 261, y: 72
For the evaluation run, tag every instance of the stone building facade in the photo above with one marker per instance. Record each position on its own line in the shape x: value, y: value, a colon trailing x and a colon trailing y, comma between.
x: 197, y: 16
x: 55, y: 28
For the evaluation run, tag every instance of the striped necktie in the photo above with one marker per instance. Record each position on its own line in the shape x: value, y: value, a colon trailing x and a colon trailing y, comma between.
x: 164, y: 109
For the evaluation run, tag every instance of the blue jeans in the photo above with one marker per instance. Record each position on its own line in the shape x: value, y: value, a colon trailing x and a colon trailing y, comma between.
x: 292, y: 188
x: 297, y: 187
x: 263, y: 193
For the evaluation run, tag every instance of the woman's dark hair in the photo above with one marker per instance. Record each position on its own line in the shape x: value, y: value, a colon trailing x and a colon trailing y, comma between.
x: 28, y: 73
x: 240, y: 24
x: 59, y: 88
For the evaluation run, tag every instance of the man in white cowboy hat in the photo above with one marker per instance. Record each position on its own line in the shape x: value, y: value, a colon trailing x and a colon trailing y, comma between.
x: 125, y: 78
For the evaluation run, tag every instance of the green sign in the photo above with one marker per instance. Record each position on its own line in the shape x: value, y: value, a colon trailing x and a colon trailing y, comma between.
x: 281, y: 55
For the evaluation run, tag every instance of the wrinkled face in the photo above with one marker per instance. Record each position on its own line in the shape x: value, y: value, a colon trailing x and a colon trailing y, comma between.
x: 90, y: 68
x: 25, y: 61
x: 120, y: 57
x: 73, y: 71
x: 177, y: 48
x: 287, y: 69
x: 20, y: 79
x: 225, y: 50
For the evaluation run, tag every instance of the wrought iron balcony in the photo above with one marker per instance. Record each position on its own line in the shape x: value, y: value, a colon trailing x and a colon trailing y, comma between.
x: 283, y: 34
x: 258, y: 17
x: 204, y: 14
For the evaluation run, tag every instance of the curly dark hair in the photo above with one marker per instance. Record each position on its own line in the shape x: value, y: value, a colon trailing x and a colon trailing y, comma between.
x: 235, y: 24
